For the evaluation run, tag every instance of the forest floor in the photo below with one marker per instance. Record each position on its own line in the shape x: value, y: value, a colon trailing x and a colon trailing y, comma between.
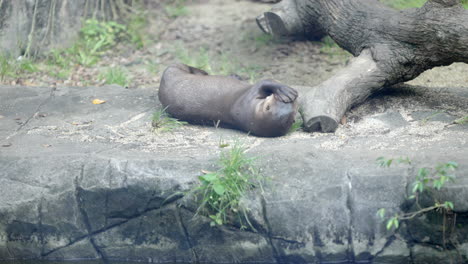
x: 222, y: 37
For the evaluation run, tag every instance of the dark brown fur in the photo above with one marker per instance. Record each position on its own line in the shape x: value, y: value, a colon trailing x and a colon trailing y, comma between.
x: 266, y: 108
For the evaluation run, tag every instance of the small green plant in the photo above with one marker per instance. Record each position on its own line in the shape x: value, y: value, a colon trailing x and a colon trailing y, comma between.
x: 27, y: 65
x: 330, y: 48
x: 162, y: 122
x: 7, y: 67
x: 461, y: 121
x: 428, y: 118
x: 427, y: 179
x: 200, y: 59
x: 96, y: 37
x: 10, y: 67
x: 263, y: 40
x: 221, y: 191
x: 216, y: 65
x: 101, y: 35
x: 405, y: 4
x: 177, y: 9
x: 135, y: 27
x: 115, y: 75
x: 153, y: 66
x: 296, y: 125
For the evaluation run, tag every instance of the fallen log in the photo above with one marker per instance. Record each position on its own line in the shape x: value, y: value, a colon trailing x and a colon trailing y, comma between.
x: 389, y: 46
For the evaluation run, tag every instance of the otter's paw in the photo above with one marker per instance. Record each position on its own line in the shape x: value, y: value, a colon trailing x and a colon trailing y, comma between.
x: 282, y: 93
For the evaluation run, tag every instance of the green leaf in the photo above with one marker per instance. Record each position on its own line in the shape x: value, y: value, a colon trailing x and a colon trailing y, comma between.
x: 422, y: 173
x: 448, y: 204
x: 418, y: 187
x: 381, y: 213
x: 209, y: 177
x: 389, y: 162
x: 437, y: 184
x: 219, y: 189
x: 393, y: 222
x: 452, y: 165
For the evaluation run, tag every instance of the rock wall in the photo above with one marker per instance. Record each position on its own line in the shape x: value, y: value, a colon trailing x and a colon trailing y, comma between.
x: 84, y: 181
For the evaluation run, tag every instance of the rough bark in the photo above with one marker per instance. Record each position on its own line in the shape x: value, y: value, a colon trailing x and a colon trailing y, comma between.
x: 31, y: 27
x: 390, y: 46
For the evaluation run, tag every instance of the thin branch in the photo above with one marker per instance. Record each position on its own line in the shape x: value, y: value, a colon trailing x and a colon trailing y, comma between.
x: 31, y: 33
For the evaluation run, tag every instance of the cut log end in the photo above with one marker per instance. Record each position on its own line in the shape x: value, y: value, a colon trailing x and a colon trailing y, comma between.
x: 262, y: 24
x: 323, y: 124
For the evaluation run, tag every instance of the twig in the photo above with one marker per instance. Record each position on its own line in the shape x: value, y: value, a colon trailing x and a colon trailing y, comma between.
x: 31, y: 33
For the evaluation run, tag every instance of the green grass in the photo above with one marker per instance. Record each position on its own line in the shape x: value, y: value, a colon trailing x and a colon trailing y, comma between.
x: 332, y: 49
x: 135, y: 28
x: 219, y: 64
x: 462, y: 120
x: 404, y: 4
x: 263, y: 40
x: 428, y: 180
x: 220, y: 192
x: 11, y: 67
x: 115, y: 75
x: 296, y: 125
x: 162, y: 122
x: 176, y: 9
x: 7, y: 68
x: 97, y: 37
x: 199, y: 59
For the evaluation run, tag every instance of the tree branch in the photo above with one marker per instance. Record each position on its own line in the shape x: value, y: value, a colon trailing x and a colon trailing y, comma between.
x: 390, y: 47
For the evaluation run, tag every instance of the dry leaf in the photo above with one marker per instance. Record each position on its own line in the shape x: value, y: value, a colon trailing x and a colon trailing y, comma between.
x: 98, y: 101
x: 206, y: 172
x: 46, y: 145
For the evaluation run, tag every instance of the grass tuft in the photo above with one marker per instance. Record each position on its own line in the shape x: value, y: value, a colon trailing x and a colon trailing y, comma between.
x: 162, y: 122
x: 177, y: 9
x: 221, y: 191
x: 10, y: 67
x: 297, y: 125
x: 222, y: 64
x: 405, y: 4
x: 462, y: 120
x: 115, y: 75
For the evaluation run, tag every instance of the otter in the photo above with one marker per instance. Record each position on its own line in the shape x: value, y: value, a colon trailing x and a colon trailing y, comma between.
x: 266, y: 108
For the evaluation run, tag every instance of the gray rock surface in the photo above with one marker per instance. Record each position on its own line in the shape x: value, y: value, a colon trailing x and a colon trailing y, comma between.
x: 85, y: 181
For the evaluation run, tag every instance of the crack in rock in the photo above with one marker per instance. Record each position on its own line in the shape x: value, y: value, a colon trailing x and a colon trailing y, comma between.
x: 268, y: 229
x: 386, y: 245
x: 186, y: 234
x: 349, y: 207
x: 78, y: 190
x: 51, y: 94
x: 85, y: 218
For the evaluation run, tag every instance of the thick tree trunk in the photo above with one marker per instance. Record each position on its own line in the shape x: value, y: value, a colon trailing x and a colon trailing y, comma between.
x: 390, y: 47
x: 29, y: 27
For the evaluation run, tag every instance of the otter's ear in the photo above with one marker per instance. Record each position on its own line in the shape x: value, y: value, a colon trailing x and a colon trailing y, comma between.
x: 282, y: 92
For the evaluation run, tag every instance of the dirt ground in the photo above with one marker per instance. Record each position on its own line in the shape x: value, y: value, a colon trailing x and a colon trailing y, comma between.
x: 222, y: 32
x: 224, y: 35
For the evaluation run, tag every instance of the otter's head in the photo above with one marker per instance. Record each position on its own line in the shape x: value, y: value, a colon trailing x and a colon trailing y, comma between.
x: 273, y: 117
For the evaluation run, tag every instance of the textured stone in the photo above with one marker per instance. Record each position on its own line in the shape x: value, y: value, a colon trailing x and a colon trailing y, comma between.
x: 84, y: 181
